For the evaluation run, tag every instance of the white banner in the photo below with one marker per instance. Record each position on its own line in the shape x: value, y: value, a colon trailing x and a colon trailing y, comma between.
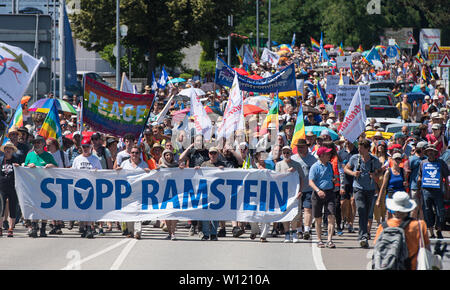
x: 345, y: 95
x: 17, y: 68
x: 202, y: 121
x: 270, y: 56
x: 126, y: 86
x: 181, y: 194
x: 233, y: 117
x: 355, y: 118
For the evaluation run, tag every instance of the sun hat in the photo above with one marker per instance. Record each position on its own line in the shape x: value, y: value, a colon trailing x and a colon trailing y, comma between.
x: 400, y: 202
x: 436, y: 127
x: 38, y: 138
x: 431, y: 147
x: 396, y: 155
x: 8, y: 144
x: 13, y: 129
x: 301, y: 142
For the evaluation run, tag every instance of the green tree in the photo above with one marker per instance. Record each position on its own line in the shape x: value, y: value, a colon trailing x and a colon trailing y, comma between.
x: 154, y: 27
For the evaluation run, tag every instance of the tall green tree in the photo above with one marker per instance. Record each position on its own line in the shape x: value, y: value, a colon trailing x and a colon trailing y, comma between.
x: 156, y: 27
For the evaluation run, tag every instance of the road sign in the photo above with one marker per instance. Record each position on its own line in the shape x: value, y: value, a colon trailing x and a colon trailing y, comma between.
x: 411, y: 40
x: 391, y: 52
x: 434, y: 49
x: 445, y: 61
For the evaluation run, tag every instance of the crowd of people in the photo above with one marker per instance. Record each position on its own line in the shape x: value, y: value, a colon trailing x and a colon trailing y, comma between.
x: 339, y: 179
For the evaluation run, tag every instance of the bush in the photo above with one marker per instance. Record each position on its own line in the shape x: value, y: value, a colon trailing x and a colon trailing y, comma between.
x: 186, y: 76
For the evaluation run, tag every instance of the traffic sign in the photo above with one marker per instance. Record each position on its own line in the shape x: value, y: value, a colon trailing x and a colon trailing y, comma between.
x: 434, y: 49
x: 391, y: 52
x: 411, y: 40
x: 445, y: 61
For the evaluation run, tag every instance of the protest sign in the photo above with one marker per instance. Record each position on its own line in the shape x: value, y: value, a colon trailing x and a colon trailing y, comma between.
x: 180, y: 194
x: 233, y: 117
x: 270, y: 56
x: 17, y: 68
x: 282, y: 81
x: 343, y: 61
x: 114, y: 112
x: 346, y: 93
x: 333, y: 81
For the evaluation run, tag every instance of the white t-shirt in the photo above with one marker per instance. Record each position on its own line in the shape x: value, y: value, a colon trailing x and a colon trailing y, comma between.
x: 122, y: 156
x: 127, y: 165
x: 57, y: 156
x: 91, y: 162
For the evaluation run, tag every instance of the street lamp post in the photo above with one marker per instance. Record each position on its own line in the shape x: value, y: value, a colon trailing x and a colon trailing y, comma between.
x: 269, y: 42
x: 257, y: 26
x: 118, y: 45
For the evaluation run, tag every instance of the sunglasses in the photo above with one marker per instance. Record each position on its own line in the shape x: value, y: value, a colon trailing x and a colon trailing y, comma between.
x: 135, y: 152
x: 213, y: 153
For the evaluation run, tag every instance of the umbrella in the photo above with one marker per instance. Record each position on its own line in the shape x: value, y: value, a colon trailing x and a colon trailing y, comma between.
x: 318, y: 129
x: 383, y: 73
x: 328, y: 46
x: 44, y: 105
x: 241, y: 71
x: 255, y: 77
x: 176, y: 80
x: 187, y: 92
x: 250, y: 109
x: 213, y: 110
x: 207, y: 87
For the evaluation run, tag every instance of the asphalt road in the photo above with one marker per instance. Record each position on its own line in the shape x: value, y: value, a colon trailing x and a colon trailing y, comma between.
x: 114, y: 251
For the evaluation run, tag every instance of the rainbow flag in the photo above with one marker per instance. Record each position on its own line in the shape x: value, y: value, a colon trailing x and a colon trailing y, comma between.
x: 341, y: 50
x: 352, y: 72
x: 299, y: 130
x: 272, y: 116
x: 360, y: 49
x: 418, y: 57
x: 320, y: 93
x: 51, y: 126
x: 315, y: 45
x: 17, y: 121
x: 238, y: 55
x: 424, y: 74
x: 286, y: 47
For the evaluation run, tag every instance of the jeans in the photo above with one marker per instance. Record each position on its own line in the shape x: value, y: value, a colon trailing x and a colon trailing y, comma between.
x: 433, y: 198
x: 209, y: 228
x: 364, y: 201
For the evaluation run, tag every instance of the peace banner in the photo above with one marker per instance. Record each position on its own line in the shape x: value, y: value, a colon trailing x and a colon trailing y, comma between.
x: 282, y: 81
x: 180, y: 194
x: 114, y: 112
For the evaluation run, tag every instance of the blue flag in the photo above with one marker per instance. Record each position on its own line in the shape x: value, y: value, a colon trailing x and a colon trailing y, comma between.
x: 71, y: 64
x: 323, y: 53
x: 154, y: 83
x: 293, y: 40
x: 163, y: 79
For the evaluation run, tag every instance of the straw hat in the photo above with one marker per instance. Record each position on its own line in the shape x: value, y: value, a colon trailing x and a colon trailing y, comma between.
x: 10, y: 145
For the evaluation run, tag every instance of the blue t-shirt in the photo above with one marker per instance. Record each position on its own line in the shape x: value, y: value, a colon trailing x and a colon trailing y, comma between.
x: 364, y: 181
x: 322, y: 175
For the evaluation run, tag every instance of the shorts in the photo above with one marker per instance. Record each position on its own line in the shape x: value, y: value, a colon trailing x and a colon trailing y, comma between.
x: 328, y: 203
x: 13, y: 203
x: 348, y: 192
x: 306, y: 199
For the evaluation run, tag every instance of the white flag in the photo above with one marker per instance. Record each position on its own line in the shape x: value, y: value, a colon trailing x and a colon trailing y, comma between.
x: 202, y: 122
x: 126, y: 86
x: 163, y: 113
x: 270, y: 57
x: 233, y: 117
x: 355, y: 119
x: 17, y: 68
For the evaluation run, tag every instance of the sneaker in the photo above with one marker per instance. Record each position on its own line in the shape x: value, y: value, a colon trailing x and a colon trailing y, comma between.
x: 101, y: 232
x: 53, y: 231
x: 83, y: 233
x: 350, y: 229
x: 237, y: 232
x: 137, y: 235
x: 439, y: 235
x: 10, y: 233
x: 33, y: 233
x: 42, y: 233
x: 89, y: 234
x: 300, y: 235
x: 295, y: 238
x: 168, y: 237
x: 222, y: 233
x: 173, y: 238
x: 306, y: 235
x: 287, y: 238
x: 192, y: 231
x: 340, y: 233
x: 263, y: 240
x: 214, y: 238
x: 70, y: 227
x: 205, y: 238
x: 363, y: 243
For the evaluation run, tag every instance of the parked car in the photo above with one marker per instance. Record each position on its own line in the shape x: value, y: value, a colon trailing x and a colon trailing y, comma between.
x: 387, y: 84
x: 380, y: 98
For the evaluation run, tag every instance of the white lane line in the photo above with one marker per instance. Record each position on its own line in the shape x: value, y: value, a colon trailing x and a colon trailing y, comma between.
x: 118, y: 262
x: 112, y: 247
x: 317, y: 255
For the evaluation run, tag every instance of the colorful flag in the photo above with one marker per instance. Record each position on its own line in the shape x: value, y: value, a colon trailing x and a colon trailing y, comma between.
x: 315, y: 45
x: 248, y: 56
x: 233, y: 117
x: 341, y: 50
x: 17, y: 121
x: 293, y: 40
x: 320, y: 93
x: 270, y: 56
x: 154, y: 83
x: 51, y: 126
x: 352, y: 72
x: 285, y: 47
x: 360, y: 49
x: 418, y: 57
x: 272, y: 116
x: 424, y: 74
x: 238, y: 55
x: 299, y: 130
x: 323, y: 53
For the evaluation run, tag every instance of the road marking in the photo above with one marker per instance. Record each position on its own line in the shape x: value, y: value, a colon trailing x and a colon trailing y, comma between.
x: 79, y: 263
x: 118, y: 262
x: 317, y: 255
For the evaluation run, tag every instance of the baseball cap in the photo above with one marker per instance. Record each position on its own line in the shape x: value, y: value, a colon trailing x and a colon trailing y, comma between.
x: 323, y: 150
x: 286, y: 148
x: 38, y: 138
x: 86, y: 141
x: 422, y: 144
x: 395, y: 146
x: 213, y: 149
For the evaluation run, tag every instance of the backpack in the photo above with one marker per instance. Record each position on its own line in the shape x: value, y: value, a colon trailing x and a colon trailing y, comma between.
x: 391, y: 251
